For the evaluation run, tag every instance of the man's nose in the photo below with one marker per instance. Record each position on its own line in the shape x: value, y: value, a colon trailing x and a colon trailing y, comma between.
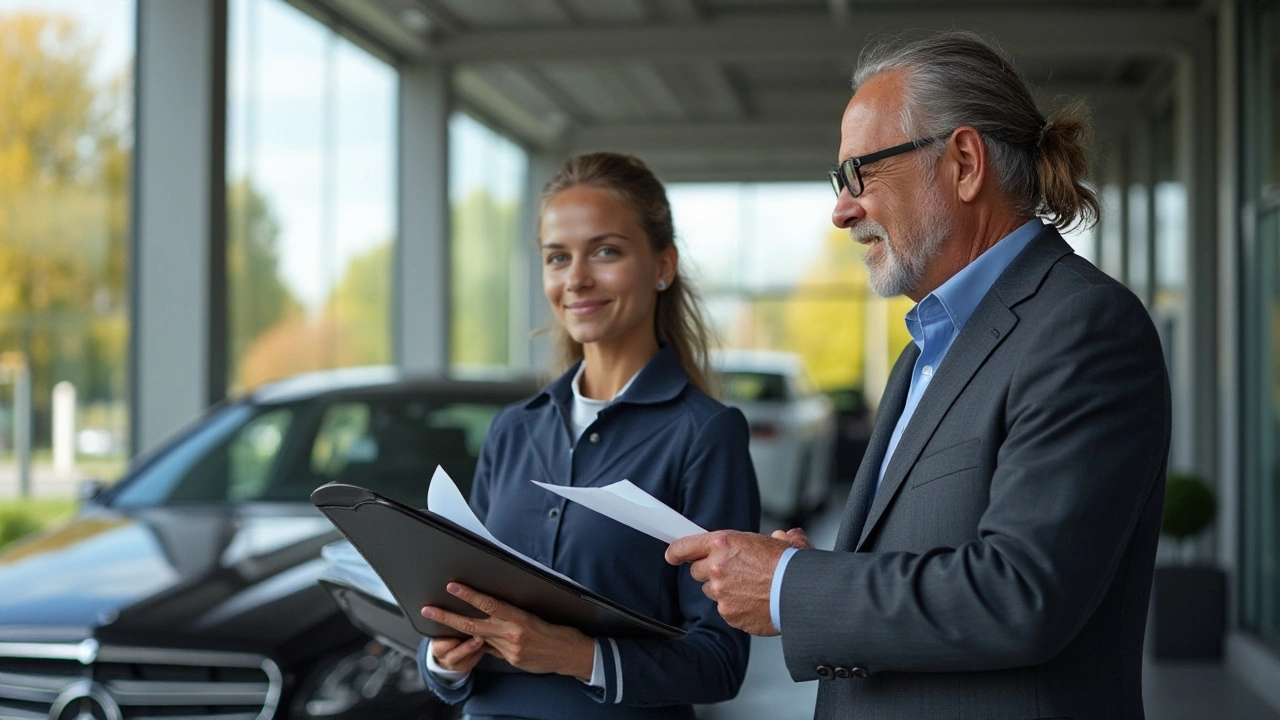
x: 847, y: 211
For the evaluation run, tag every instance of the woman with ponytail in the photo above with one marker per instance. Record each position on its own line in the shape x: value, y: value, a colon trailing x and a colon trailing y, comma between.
x: 632, y: 404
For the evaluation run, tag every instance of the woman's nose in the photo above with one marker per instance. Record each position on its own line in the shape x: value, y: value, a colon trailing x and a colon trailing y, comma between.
x: 579, y: 275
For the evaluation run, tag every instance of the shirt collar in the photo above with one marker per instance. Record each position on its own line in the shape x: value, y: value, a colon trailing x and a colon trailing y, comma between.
x: 661, y: 379
x: 960, y: 294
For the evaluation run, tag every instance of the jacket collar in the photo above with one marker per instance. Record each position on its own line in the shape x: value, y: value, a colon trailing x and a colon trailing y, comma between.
x: 661, y: 380
x: 990, y: 324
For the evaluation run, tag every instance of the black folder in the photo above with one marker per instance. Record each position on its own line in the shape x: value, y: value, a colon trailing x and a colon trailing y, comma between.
x: 417, y: 553
x: 375, y: 617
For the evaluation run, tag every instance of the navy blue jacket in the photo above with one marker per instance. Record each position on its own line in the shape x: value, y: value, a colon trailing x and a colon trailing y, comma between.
x: 682, y: 447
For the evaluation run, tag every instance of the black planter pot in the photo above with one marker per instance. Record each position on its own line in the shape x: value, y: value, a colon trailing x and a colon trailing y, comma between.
x: 1190, y: 606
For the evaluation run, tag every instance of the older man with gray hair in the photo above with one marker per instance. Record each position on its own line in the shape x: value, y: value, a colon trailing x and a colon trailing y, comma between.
x: 995, y: 556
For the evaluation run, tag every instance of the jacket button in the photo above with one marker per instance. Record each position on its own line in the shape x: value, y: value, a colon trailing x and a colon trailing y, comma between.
x: 594, y: 438
x: 824, y: 672
x: 859, y: 672
x: 554, y: 512
x: 842, y: 673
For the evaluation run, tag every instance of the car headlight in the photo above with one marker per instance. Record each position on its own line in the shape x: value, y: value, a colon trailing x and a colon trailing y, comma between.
x: 374, y: 676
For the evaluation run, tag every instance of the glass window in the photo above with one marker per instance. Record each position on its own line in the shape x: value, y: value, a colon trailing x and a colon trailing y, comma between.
x: 394, y: 446
x: 773, y: 272
x: 66, y: 139
x: 311, y: 196
x: 281, y: 453
x: 487, y: 176
x: 1110, y: 229
x: 1260, y: 501
x: 1269, y: 66
x: 1138, y: 240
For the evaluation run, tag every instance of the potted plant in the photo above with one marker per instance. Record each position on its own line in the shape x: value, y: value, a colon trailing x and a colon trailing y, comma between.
x: 1190, y: 597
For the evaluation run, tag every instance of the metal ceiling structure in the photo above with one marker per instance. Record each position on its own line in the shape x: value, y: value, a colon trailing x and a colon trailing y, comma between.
x: 749, y: 89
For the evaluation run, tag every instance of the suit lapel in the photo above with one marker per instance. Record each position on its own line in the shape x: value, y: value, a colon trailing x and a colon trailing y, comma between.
x: 990, y: 324
x: 864, y: 483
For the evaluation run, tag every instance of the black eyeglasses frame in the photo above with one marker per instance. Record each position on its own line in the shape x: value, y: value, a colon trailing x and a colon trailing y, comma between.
x: 849, y: 170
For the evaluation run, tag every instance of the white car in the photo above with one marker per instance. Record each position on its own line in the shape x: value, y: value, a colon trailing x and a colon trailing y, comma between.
x: 793, y: 428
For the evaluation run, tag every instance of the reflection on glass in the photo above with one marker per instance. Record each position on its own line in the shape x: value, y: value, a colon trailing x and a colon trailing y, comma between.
x: 310, y: 196
x: 66, y: 139
x: 1110, y: 229
x: 487, y: 175
x: 776, y: 275
x: 1269, y: 31
x: 1261, y: 571
x: 1138, y: 239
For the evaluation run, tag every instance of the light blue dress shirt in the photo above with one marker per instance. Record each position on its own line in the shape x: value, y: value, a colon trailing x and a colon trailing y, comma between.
x: 934, y: 323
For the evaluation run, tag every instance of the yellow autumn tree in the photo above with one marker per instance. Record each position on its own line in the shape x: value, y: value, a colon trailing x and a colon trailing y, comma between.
x: 64, y: 175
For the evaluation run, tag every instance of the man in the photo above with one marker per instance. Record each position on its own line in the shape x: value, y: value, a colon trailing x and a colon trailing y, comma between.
x: 995, y: 556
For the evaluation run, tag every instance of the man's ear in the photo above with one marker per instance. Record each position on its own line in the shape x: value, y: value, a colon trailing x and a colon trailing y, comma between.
x: 968, y: 153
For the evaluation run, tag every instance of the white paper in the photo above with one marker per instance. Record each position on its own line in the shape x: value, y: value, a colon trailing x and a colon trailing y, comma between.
x: 631, y: 506
x: 348, y: 567
x: 445, y: 499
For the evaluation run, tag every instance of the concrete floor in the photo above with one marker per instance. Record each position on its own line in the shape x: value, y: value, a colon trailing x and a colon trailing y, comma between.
x: 1171, y: 691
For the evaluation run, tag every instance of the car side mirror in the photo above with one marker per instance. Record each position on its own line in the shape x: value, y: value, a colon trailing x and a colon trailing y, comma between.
x: 90, y: 490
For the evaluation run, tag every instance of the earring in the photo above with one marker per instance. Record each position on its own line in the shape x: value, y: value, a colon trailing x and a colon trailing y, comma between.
x: 662, y: 284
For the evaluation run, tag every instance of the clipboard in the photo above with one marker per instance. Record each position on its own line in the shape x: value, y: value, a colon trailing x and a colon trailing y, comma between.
x: 417, y: 553
x: 375, y: 617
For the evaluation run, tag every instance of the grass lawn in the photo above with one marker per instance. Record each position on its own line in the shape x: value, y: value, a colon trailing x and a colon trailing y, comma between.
x: 22, y: 517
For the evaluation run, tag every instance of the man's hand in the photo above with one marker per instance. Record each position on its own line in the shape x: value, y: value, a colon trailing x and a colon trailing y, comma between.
x: 794, y: 537
x: 736, y: 570
x: 524, y: 640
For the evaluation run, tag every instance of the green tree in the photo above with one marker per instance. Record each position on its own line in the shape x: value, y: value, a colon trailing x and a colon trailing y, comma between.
x: 485, y: 233
x: 361, y: 307
x: 64, y: 160
x: 257, y: 298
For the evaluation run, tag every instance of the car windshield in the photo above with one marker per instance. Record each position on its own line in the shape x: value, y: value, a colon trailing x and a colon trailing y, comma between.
x: 753, y: 386
x: 281, y: 452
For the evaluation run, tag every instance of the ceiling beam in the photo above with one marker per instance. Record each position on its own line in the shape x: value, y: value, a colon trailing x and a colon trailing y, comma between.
x: 1076, y: 32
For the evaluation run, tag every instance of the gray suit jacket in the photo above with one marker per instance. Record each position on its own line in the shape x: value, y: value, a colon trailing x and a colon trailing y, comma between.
x: 1003, y: 568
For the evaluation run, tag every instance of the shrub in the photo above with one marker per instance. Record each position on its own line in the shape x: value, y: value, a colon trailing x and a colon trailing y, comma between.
x: 16, y: 521
x: 1189, y: 506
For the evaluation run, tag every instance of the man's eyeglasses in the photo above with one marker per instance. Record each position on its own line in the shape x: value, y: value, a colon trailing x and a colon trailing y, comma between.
x: 848, y: 174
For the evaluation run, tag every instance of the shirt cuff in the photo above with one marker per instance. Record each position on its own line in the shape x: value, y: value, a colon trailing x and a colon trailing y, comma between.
x: 597, y: 669
x: 453, y: 679
x: 775, y: 589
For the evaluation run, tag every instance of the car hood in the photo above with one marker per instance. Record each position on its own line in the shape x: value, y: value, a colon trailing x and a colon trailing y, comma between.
x: 241, y: 572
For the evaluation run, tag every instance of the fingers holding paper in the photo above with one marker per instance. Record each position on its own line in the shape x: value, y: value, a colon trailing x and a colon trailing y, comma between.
x: 736, y: 570
x: 795, y: 537
x: 522, y: 639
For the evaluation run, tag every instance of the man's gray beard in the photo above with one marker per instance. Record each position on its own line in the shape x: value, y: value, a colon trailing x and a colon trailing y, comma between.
x: 898, y: 274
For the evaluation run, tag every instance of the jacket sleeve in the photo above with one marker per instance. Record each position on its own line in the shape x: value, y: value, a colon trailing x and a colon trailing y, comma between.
x: 1086, y: 423
x: 451, y: 695
x: 717, y: 491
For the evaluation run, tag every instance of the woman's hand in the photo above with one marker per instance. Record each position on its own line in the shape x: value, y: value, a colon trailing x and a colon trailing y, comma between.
x: 523, y: 640
x: 457, y: 654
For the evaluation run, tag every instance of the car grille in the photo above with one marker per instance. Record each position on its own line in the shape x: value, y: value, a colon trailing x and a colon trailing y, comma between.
x: 64, y: 681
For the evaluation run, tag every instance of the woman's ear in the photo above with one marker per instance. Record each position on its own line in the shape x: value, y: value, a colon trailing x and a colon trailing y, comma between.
x: 668, y: 262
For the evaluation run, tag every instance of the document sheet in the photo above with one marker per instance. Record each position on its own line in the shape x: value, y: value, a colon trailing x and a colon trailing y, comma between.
x: 631, y: 506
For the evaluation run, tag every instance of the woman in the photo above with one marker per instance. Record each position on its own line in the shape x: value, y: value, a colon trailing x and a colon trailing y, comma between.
x: 633, y: 405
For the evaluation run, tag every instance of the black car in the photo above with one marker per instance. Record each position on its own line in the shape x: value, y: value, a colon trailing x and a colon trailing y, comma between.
x: 188, y: 590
